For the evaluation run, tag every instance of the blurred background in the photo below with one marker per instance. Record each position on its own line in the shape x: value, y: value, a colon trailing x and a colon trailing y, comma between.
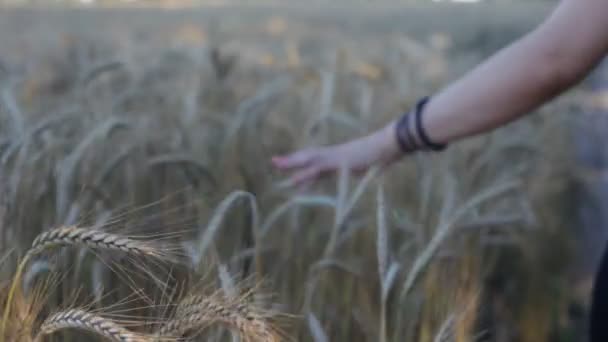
x: 160, y: 117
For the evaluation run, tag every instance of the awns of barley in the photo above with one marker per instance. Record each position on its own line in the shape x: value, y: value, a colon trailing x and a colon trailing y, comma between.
x: 76, y: 236
x: 70, y: 236
x: 196, y: 313
x: 83, y: 320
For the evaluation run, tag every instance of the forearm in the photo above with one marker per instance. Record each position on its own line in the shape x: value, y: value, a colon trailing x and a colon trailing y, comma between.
x: 521, y: 77
x: 511, y: 84
x: 505, y: 87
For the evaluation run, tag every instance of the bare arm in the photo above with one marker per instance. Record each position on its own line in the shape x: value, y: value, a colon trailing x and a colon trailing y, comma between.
x: 525, y: 75
x: 516, y: 80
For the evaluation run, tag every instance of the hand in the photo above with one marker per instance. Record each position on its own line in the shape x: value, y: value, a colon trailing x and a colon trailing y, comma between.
x: 379, y: 148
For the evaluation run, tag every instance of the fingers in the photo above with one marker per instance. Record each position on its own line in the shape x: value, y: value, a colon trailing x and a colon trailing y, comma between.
x: 305, y: 176
x: 306, y: 165
x: 301, y: 180
x: 295, y: 160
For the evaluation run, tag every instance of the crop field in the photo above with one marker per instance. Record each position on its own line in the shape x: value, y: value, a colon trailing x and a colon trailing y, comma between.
x: 138, y: 203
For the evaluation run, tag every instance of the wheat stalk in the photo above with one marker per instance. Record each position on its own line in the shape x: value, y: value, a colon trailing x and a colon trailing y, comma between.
x: 72, y: 235
x: 197, y: 312
x: 83, y: 320
x: 75, y: 236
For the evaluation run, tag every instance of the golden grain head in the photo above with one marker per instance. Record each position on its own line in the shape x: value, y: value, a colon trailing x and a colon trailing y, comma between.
x: 77, y: 236
x: 197, y: 312
x: 86, y: 321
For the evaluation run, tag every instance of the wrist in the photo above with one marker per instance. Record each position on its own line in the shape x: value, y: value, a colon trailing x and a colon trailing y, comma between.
x: 389, y: 148
x: 411, y: 133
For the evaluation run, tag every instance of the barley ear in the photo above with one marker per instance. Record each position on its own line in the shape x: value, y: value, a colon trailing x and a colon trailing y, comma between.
x: 77, y: 236
x: 83, y: 320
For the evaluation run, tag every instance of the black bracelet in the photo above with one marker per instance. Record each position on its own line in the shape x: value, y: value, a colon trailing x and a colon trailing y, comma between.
x: 411, y: 140
x: 403, y: 134
x: 421, y: 132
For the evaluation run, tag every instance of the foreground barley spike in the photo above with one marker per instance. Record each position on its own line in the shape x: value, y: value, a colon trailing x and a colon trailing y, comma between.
x: 197, y: 312
x: 77, y: 236
x: 72, y: 235
x: 83, y: 320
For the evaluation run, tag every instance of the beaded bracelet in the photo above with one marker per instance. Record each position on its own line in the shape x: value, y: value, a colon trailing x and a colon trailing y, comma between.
x: 410, y: 132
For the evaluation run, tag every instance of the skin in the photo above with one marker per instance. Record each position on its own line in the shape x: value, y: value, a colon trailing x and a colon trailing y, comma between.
x: 515, y: 81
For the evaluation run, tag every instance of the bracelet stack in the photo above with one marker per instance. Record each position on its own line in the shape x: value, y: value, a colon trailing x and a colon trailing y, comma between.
x: 411, y: 134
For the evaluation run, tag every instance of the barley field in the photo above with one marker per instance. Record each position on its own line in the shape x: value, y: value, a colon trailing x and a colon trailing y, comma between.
x: 138, y: 202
